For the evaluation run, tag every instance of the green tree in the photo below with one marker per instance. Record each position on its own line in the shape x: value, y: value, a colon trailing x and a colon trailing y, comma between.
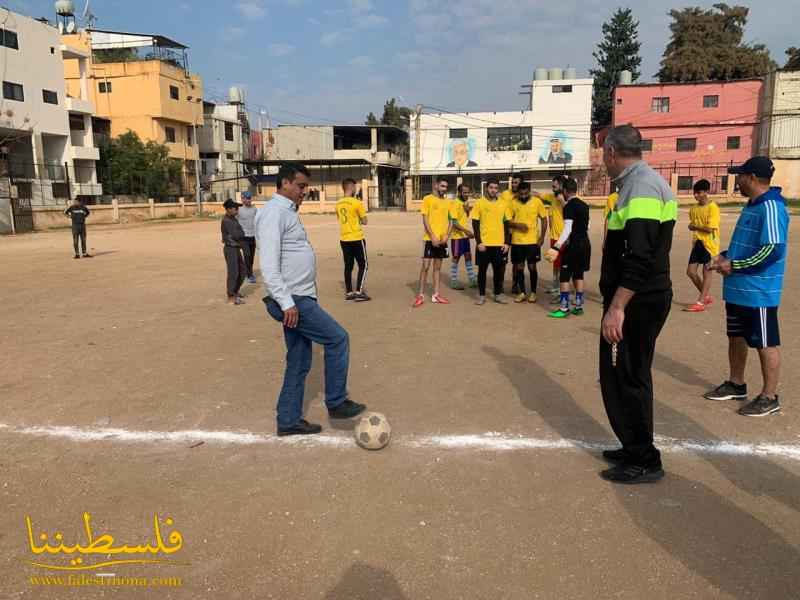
x: 707, y: 45
x: 619, y: 51
x: 793, y: 62
x: 394, y: 115
x: 132, y: 167
x: 113, y: 55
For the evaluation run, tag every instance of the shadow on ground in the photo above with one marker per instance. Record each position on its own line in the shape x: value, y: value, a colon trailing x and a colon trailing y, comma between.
x: 364, y: 582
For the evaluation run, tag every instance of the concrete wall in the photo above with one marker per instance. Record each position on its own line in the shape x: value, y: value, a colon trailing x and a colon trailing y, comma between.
x: 5, y: 216
x: 787, y: 176
x: 48, y: 217
x: 296, y: 142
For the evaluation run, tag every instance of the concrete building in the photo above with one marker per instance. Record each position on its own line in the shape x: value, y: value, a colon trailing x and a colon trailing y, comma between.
x: 551, y: 137
x: 693, y: 130
x: 45, y: 129
x: 780, y: 128
x: 377, y: 155
x: 223, y: 147
x: 141, y: 83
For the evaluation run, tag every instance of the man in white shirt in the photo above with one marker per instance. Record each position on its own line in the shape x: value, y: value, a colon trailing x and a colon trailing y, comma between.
x: 247, y: 219
x: 289, y: 268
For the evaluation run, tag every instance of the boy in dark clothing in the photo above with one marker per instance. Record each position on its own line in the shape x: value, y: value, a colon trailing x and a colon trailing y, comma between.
x: 77, y: 212
x: 232, y: 239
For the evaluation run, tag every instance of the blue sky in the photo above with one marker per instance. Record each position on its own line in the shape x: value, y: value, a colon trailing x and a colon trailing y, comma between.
x: 309, y: 61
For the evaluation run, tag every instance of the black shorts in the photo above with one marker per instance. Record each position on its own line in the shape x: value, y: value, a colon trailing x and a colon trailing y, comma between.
x: 575, y: 261
x: 525, y: 253
x: 436, y: 252
x: 758, y: 326
x: 699, y: 255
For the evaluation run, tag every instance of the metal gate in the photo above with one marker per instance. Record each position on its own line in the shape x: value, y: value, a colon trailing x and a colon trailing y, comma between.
x: 23, y: 214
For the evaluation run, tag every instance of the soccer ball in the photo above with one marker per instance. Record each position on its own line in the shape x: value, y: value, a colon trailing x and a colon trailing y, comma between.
x: 373, y: 431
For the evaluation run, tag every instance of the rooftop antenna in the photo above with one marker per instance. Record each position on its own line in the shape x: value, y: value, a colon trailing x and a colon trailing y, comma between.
x: 87, y: 17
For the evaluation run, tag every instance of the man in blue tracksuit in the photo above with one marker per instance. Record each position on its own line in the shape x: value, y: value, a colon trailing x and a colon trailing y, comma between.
x: 753, y: 267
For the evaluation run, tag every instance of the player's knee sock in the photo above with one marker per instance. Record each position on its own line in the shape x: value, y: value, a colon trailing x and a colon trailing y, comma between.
x: 519, y: 280
x: 565, y: 301
x: 453, y: 271
x: 470, y: 269
x: 579, y: 299
x: 534, y: 278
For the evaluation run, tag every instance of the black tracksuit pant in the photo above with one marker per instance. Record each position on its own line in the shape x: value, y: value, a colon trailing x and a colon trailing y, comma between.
x: 628, y: 387
x: 79, y: 233
x: 249, y: 250
x: 235, y: 264
x: 493, y: 255
x: 352, y: 253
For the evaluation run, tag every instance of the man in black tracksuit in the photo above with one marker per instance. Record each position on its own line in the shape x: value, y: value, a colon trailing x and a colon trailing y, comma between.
x: 233, y: 240
x: 637, y: 295
x: 77, y: 212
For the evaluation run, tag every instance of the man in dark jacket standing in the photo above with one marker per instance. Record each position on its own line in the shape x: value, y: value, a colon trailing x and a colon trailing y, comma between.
x: 77, y: 212
x: 232, y: 240
x: 637, y: 295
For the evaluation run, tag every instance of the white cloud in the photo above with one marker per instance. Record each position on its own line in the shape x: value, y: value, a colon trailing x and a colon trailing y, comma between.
x: 252, y: 9
x: 280, y: 49
x: 361, y: 62
x: 331, y: 38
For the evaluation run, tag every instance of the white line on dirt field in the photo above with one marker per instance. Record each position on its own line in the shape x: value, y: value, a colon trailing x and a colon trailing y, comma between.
x: 498, y: 442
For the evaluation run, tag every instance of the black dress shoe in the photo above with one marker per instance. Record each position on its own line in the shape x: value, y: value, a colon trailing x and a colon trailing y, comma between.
x: 347, y: 410
x: 302, y: 427
x: 615, y: 456
x: 631, y: 474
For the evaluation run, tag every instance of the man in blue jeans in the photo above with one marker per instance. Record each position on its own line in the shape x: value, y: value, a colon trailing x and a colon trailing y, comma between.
x: 289, y: 268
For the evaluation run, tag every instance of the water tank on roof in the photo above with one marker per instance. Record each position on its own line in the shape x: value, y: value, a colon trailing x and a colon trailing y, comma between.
x: 625, y: 77
x: 236, y: 95
x: 65, y: 8
x: 570, y: 73
x: 555, y: 73
x: 540, y: 74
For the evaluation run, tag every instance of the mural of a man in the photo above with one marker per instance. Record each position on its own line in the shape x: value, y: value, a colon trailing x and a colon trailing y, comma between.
x: 555, y: 152
x: 460, y: 151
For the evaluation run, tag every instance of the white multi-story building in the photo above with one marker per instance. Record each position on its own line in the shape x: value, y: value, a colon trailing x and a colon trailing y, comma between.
x: 780, y: 128
x: 222, y: 148
x: 551, y: 137
x: 46, y: 135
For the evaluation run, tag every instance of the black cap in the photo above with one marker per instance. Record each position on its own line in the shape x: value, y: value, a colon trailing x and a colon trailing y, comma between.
x: 231, y: 204
x: 760, y: 166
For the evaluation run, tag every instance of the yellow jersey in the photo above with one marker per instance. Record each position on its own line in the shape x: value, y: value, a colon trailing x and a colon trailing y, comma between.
x: 492, y: 215
x: 556, y: 213
x: 350, y: 211
x: 458, y: 214
x: 611, y: 202
x: 438, y: 212
x: 706, y: 216
x: 528, y: 213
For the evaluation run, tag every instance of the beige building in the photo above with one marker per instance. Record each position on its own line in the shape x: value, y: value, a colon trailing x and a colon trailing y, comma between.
x: 780, y: 128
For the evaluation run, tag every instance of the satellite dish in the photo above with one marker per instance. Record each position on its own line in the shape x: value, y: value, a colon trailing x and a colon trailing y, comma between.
x: 71, y: 27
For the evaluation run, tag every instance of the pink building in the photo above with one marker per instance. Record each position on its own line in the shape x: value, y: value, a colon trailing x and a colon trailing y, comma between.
x: 697, y: 129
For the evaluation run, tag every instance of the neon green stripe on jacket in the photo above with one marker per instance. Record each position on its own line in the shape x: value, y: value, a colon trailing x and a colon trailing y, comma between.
x: 643, y: 208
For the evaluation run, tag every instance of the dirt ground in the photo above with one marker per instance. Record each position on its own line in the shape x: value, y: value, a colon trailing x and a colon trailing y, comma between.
x: 140, y: 339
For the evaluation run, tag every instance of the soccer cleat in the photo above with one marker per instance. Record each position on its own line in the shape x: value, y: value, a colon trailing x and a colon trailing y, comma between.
x: 532, y: 298
x: 631, y: 474
x: 419, y: 301
x: 439, y: 299
x: 727, y: 391
x: 560, y: 313
x: 500, y: 299
x: 362, y: 297
x: 455, y: 284
x: 761, y: 406
x: 577, y: 311
x: 480, y: 301
x: 521, y: 297
x: 696, y: 307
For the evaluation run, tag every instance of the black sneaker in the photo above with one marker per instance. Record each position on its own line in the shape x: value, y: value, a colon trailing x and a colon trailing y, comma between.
x: 347, y: 410
x: 350, y: 296
x: 362, y: 297
x: 631, y: 474
x: 76, y: 256
x: 303, y: 427
x: 761, y: 406
x: 727, y: 391
x: 615, y: 456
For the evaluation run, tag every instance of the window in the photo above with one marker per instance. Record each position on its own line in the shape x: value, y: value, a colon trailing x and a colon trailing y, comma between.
x: 619, y: 100
x: 228, y: 132
x: 229, y: 156
x: 509, y: 139
x: 52, y: 50
x: 13, y: 91
x: 49, y: 97
x: 562, y: 89
x: 60, y: 190
x: 174, y: 93
x: 458, y: 134
x: 105, y: 87
x: 734, y: 142
x: 189, y: 138
x: 685, y: 183
x: 686, y: 145
x: 647, y: 145
x: 10, y: 39
x: 710, y: 101
x: 76, y: 123
x: 170, y: 133
x: 659, y: 105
